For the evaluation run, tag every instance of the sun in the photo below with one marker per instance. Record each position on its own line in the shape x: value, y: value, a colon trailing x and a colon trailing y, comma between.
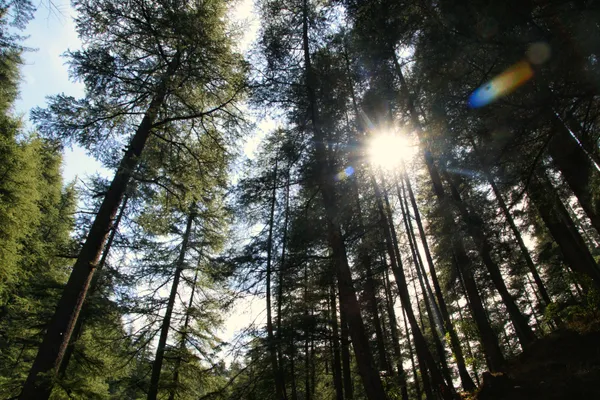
x: 388, y: 150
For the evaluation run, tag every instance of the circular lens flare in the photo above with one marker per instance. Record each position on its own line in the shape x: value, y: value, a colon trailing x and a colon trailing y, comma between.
x: 388, y: 150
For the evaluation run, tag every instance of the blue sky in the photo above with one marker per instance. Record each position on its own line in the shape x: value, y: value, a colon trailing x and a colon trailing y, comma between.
x: 44, y: 73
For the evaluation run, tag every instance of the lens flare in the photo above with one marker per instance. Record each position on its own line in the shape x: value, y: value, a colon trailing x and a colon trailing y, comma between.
x: 346, y: 173
x: 503, y: 84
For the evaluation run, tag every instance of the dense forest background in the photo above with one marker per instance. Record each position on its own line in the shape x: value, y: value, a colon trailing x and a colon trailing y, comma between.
x: 423, y: 220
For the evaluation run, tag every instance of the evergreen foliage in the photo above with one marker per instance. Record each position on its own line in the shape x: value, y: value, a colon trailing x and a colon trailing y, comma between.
x: 404, y: 271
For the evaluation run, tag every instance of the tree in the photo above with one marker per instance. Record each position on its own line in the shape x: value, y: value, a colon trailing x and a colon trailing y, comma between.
x: 141, y: 65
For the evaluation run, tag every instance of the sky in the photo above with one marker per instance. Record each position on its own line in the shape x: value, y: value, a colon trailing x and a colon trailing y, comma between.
x: 45, y: 73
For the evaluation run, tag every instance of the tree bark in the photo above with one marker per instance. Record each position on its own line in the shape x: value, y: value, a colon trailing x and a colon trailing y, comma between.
x: 60, y: 329
x: 562, y: 228
x: 426, y: 296
x: 475, y: 228
x: 270, y: 337
x: 465, y: 378
x: 346, y: 371
x: 462, y: 261
x: 395, y: 337
x: 412, y: 358
x: 337, y: 362
x: 186, y: 325
x: 576, y: 167
x: 423, y: 353
x: 166, y: 323
x: 511, y: 222
x: 348, y: 301
x: 78, y: 329
x: 282, y: 268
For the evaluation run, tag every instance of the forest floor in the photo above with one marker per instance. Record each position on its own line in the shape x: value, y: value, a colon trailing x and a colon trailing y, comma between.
x: 562, y: 365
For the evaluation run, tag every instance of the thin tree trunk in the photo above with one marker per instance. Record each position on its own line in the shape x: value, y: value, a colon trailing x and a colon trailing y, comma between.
x: 270, y: 337
x: 337, y: 362
x: 475, y: 228
x: 56, y: 339
x: 462, y: 261
x: 346, y: 371
x: 282, y: 268
x: 348, y: 301
x: 511, y: 222
x: 428, y: 300
x: 166, y: 323
x: 562, y: 228
x: 577, y: 169
x: 78, y: 329
x: 293, y: 364
x: 423, y: 352
x: 468, y: 344
x: 465, y: 378
x: 395, y: 336
x: 186, y: 324
x: 421, y: 266
x: 412, y: 358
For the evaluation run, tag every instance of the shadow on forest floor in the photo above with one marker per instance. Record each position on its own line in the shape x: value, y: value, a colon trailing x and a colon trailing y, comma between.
x: 562, y: 365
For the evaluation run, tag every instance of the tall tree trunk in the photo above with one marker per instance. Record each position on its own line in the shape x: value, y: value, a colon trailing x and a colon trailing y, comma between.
x: 348, y: 301
x: 423, y: 353
x: 78, y: 329
x: 562, y: 228
x: 346, y: 371
x: 421, y: 266
x: 475, y: 228
x: 511, y: 222
x: 293, y: 364
x: 270, y: 337
x: 282, y: 268
x: 56, y: 339
x: 428, y: 300
x: 395, y: 336
x: 577, y: 169
x: 337, y: 362
x: 186, y: 324
x: 467, y: 343
x: 307, y: 332
x: 166, y: 323
x: 462, y: 261
x: 412, y: 358
x: 465, y: 378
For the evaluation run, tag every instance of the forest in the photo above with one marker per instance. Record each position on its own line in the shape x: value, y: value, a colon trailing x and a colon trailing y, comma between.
x: 421, y: 221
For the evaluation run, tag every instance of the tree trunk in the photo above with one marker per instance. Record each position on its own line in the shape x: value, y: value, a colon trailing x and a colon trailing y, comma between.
x: 562, y: 228
x: 395, y: 336
x: 346, y: 371
x: 166, y: 323
x: 337, y: 363
x: 461, y: 259
x: 270, y: 337
x: 468, y: 345
x: 423, y: 352
x: 186, y: 324
x: 282, y: 267
x: 78, y: 329
x: 412, y: 358
x: 293, y: 365
x: 577, y: 169
x: 428, y: 300
x: 524, y: 251
x: 475, y: 228
x: 465, y: 378
x: 51, y: 352
x: 348, y: 301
